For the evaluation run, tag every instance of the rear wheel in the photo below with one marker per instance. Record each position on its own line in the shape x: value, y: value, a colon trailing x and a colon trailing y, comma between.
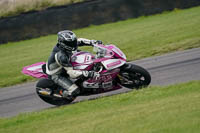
x: 133, y: 76
x: 48, y: 92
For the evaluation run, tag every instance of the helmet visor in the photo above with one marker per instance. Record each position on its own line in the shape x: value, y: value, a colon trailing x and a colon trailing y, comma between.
x: 70, y: 45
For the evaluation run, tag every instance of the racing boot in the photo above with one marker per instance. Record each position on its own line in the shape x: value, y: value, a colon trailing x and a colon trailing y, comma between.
x: 70, y: 90
x: 71, y: 93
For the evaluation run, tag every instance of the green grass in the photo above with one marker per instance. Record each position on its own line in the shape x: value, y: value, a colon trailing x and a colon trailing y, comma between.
x: 138, y: 38
x: 172, y: 109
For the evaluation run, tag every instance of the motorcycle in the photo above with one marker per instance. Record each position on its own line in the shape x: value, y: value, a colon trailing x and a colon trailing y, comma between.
x: 109, y: 61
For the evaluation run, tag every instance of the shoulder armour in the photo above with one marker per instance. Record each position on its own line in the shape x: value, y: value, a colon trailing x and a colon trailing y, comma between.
x: 62, y: 59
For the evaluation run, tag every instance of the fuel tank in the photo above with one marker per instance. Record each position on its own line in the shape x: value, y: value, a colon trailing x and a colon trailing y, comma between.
x: 82, y: 60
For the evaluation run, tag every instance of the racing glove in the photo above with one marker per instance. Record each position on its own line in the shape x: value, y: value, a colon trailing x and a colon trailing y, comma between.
x: 95, y: 42
x: 87, y: 42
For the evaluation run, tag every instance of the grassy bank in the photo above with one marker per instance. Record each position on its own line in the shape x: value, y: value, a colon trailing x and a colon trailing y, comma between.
x: 172, y: 109
x: 138, y: 38
x: 15, y: 7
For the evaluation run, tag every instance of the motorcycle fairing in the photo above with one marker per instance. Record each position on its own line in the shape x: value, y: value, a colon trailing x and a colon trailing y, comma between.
x: 113, y: 63
x: 109, y: 60
x: 105, y: 81
x: 117, y: 52
x: 85, y: 61
x: 35, y: 70
x: 82, y: 60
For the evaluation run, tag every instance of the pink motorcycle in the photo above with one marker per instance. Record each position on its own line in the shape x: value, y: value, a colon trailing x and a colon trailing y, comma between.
x: 109, y: 61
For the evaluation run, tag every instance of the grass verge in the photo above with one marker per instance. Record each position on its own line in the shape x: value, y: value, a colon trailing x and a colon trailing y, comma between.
x: 172, y: 109
x: 15, y: 7
x: 138, y: 38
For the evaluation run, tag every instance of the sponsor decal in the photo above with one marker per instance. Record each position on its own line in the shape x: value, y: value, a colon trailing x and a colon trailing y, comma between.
x: 114, y: 64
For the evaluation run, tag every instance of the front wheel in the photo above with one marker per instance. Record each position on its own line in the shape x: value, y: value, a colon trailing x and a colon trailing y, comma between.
x: 48, y: 92
x: 133, y: 76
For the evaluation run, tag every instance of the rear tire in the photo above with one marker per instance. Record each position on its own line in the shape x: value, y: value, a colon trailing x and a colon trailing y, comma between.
x: 133, y: 76
x: 49, y: 85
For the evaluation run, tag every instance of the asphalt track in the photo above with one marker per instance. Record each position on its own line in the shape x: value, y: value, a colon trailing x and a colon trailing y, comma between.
x: 165, y: 70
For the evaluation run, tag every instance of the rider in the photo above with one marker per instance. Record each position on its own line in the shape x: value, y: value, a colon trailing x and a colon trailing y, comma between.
x: 58, y: 63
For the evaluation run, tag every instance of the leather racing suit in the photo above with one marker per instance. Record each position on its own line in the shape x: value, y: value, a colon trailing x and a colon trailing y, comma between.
x: 59, y: 63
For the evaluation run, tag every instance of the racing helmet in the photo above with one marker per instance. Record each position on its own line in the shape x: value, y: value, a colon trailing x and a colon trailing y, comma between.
x: 67, y: 40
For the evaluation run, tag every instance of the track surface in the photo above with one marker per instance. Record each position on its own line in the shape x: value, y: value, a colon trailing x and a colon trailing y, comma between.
x: 165, y: 70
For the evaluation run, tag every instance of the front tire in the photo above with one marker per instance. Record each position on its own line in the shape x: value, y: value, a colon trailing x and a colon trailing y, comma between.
x: 49, y: 86
x: 133, y: 76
